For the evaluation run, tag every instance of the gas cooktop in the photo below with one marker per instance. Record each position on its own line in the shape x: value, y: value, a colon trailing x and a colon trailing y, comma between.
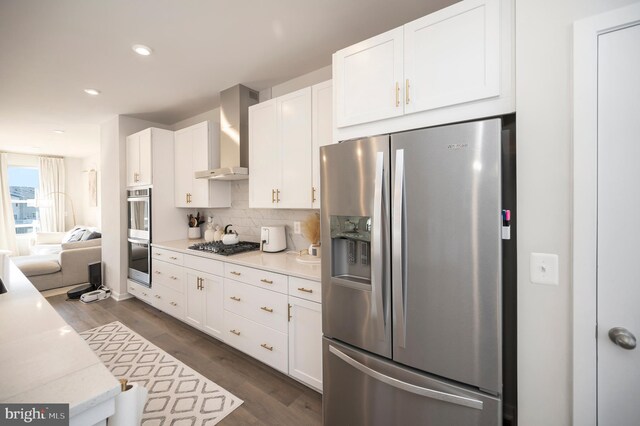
x: 218, y: 247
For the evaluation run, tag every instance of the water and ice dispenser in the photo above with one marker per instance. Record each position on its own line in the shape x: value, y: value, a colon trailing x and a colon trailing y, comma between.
x: 351, y: 248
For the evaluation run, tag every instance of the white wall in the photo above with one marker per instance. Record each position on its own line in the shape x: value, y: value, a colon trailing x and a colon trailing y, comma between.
x: 544, y: 120
x: 113, y: 198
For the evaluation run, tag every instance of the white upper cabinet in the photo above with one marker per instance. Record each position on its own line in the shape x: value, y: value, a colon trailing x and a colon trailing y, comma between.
x: 280, y: 152
x: 368, y: 77
x: 138, y: 149
x: 264, y: 155
x: 294, y: 122
x: 321, y: 131
x: 194, y: 152
x: 452, y: 65
x: 452, y: 56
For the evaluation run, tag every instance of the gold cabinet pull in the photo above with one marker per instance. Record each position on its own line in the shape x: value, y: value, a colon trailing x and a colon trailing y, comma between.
x: 264, y: 308
x: 277, y: 195
x: 173, y: 303
x: 144, y: 294
x: 266, y: 281
x: 235, y: 273
x: 273, y: 196
x: 157, y: 297
x: 237, y: 299
x: 313, y: 194
x: 157, y: 272
x: 289, y: 312
x: 236, y: 332
x: 173, y: 278
x: 267, y: 347
x: 406, y: 94
x: 397, y: 94
x: 306, y: 290
x: 173, y: 258
x: 158, y: 254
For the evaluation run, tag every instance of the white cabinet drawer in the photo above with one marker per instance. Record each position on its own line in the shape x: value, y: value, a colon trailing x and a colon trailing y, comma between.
x: 203, y: 264
x: 305, y: 289
x: 167, y: 255
x: 263, y: 343
x: 257, y: 277
x: 141, y: 292
x: 262, y: 306
x: 169, y: 301
x: 168, y: 274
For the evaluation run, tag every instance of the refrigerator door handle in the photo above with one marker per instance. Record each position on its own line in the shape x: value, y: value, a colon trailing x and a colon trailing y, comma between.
x: 377, y: 260
x: 407, y: 387
x: 399, y: 284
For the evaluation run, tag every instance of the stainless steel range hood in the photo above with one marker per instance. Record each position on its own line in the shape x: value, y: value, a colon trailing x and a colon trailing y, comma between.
x: 234, y: 134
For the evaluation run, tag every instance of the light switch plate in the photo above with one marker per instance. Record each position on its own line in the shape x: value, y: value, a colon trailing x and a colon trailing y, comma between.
x: 544, y: 268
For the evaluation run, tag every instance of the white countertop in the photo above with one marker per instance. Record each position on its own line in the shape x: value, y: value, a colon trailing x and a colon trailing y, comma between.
x: 283, y: 263
x: 43, y: 360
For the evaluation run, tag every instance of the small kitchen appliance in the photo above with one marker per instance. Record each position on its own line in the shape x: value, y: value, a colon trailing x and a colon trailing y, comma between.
x: 273, y: 239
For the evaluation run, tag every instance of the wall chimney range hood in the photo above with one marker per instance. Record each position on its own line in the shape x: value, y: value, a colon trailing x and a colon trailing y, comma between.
x: 234, y: 134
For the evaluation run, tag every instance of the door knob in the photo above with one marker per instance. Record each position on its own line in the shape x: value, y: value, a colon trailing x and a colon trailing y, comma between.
x: 622, y: 337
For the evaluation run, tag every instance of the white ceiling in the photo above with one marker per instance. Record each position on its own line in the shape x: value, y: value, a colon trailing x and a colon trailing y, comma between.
x: 51, y: 50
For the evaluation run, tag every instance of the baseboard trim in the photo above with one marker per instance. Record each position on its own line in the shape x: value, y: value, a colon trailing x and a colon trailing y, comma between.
x: 118, y: 297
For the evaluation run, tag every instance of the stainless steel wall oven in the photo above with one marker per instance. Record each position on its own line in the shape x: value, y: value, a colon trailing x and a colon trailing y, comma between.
x: 139, y: 235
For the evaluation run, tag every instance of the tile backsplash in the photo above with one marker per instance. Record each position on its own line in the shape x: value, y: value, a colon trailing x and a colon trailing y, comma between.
x: 247, y: 222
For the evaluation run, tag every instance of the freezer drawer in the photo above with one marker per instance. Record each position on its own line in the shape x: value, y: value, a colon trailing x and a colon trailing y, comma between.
x: 364, y: 389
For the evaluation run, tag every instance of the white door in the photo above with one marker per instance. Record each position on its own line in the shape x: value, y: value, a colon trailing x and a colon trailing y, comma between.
x: 199, y: 161
x: 145, y: 170
x: 133, y: 158
x: 305, y: 341
x: 264, y: 155
x: 321, y: 131
x: 214, y: 301
x: 452, y: 56
x: 183, y: 142
x: 294, y: 129
x: 195, y: 306
x: 368, y: 79
x: 618, y: 272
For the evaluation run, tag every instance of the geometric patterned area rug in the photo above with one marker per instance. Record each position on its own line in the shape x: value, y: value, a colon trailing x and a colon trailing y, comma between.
x: 178, y: 395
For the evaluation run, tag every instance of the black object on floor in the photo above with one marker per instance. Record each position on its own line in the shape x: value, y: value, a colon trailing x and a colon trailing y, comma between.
x: 75, y: 293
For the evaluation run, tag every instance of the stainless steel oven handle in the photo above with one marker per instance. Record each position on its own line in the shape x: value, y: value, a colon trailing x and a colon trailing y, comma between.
x: 407, y: 387
x: 377, y: 309
x: 138, y: 240
x: 145, y: 199
x: 399, y: 285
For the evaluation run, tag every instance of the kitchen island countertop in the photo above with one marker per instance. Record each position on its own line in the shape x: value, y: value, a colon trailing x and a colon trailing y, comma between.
x: 43, y: 359
x: 283, y: 262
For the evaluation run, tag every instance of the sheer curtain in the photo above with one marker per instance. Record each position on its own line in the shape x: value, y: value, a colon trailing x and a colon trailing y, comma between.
x: 7, y: 224
x: 52, y: 210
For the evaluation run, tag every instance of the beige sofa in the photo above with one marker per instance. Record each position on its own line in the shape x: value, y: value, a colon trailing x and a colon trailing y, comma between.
x: 68, y: 267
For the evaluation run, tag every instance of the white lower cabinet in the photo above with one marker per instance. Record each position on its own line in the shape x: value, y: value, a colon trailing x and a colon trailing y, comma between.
x: 204, y: 302
x: 257, y: 340
x: 272, y: 317
x: 141, y: 292
x: 305, y: 341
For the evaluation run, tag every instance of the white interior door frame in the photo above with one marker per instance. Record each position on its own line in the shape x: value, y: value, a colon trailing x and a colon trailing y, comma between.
x: 585, y: 203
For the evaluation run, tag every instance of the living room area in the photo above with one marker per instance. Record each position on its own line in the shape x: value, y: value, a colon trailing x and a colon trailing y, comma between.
x: 50, y: 211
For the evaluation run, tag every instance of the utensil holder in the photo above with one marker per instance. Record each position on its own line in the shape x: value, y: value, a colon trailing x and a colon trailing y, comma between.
x: 194, y: 233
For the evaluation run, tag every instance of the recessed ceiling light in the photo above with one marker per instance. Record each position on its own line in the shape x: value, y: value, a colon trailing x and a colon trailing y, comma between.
x: 58, y: 131
x: 92, y: 92
x: 141, y: 49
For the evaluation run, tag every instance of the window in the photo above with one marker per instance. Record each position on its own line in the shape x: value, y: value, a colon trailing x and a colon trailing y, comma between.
x: 23, y: 187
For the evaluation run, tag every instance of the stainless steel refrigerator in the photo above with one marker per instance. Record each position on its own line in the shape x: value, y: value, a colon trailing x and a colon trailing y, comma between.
x: 412, y: 277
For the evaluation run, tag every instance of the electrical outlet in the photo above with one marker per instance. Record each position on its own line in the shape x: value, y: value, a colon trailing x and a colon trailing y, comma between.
x: 296, y: 227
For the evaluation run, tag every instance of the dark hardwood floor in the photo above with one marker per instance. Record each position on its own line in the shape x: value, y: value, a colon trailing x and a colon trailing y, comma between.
x: 270, y: 398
